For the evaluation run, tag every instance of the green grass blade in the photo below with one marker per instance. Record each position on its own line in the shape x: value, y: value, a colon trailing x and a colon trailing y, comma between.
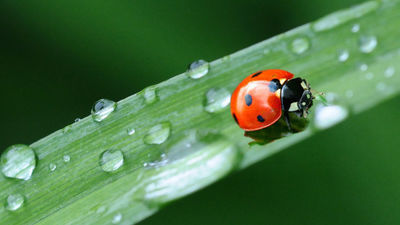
x: 179, y: 145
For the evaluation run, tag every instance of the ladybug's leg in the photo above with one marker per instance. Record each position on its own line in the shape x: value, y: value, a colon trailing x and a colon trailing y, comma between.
x: 287, y: 120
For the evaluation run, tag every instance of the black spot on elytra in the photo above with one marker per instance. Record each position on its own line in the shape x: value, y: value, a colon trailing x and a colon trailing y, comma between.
x: 260, y: 118
x: 248, y: 99
x: 274, y: 85
x: 256, y: 74
x: 234, y: 117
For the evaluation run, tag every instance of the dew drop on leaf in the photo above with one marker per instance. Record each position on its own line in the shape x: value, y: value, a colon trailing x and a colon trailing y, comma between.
x: 150, y: 95
x: 66, y: 158
x: 367, y: 44
x: 158, y: 134
x: 18, y: 161
x: 327, y: 116
x: 300, y: 45
x: 217, y: 99
x: 389, y: 72
x: 131, y: 131
x: 14, y: 202
x: 355, y: 28
x: 111, y: 160
x: 102, y: 109
x: 198, y: 69
x: 117, y: 218
x: 343, y: 55
x: 52, y: 167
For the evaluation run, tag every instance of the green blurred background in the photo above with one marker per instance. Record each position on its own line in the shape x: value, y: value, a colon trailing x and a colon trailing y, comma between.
x: 58, y: 57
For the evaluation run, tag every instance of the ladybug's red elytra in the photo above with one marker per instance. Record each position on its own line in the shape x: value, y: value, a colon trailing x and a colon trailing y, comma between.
x: 263, y: 97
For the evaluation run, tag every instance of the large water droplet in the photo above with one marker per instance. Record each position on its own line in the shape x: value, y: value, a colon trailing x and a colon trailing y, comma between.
x: 102, y: 109
x: 368, y: 43
x: 52, y: 167
x: 343, y: 55
x: 158, y: 134
x: 327, y: 116
x: 14, y: 202
x: 217, y: 99
x: 355, y: 28
x: 198, y: 69
x: 389, y: 72
x: 150, y: 94
x: 111, y: 160
x: 18, y: 161
x: 300, y: 45
x: 66, y: 158
x: 117, y: 218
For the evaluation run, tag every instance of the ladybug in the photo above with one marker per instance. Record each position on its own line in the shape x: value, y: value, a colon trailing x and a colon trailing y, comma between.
x: 263, y: 97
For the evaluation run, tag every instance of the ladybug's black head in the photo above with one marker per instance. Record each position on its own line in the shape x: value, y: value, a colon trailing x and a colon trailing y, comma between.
x: 296, y: 97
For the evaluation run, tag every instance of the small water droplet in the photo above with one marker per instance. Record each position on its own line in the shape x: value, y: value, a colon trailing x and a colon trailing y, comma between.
x: 131, y: 131
x: 355, y: 28
x: 111, y: 160
x: 349, y: 94
x: 158, y: 134
x: 369, y: 76
x: 150, y: 94
x: 77, y: 120
x: 217, y: 99
x: 381, y: 87
x: 198, y: 69
x: 389, y: 72
x: 14, y: 202
x: 52, y: 167
x: 300, y: 45
x: 66, y: 158
x: 66, y: 129
x: 102, y: 109
x: 363, y: 67
x: 368, y: 43
x: 343, y: 55
x: 117, y: 218
x: 145, y: 164
x: 101, y: 209
x: 18, y: 161
x: 327, y: 116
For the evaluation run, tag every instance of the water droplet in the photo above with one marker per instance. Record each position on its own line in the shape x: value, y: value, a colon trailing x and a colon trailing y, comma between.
x: 369, y: 76
x: 198, y: 69
x: 327, y: 116
x: 18, y: 161
x: 14, y: 202
x: 349, y: 94
x: 102, y: 109
x: 52, y: 167
x: 145, y: 164
x: 343, y: 55
x: 117, y: 218
x: 111, y: 160
x: 363, y: 67
x: 217, y: 99
x: 77, y: 120
x: 66, y: 129
x: 368, y: 43
x: 355, y: 28
x: 66, y: 158
x: 300, y: 45
x: 381, y: 87
x: 150, y: 94
x: 158, y: 134
x: 389, y: 72
x: 266, y: 51
x: 101, y: 209
x: 131, y: 131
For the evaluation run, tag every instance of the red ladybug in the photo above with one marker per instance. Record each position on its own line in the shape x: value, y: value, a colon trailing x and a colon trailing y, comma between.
x: 259, y: 100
